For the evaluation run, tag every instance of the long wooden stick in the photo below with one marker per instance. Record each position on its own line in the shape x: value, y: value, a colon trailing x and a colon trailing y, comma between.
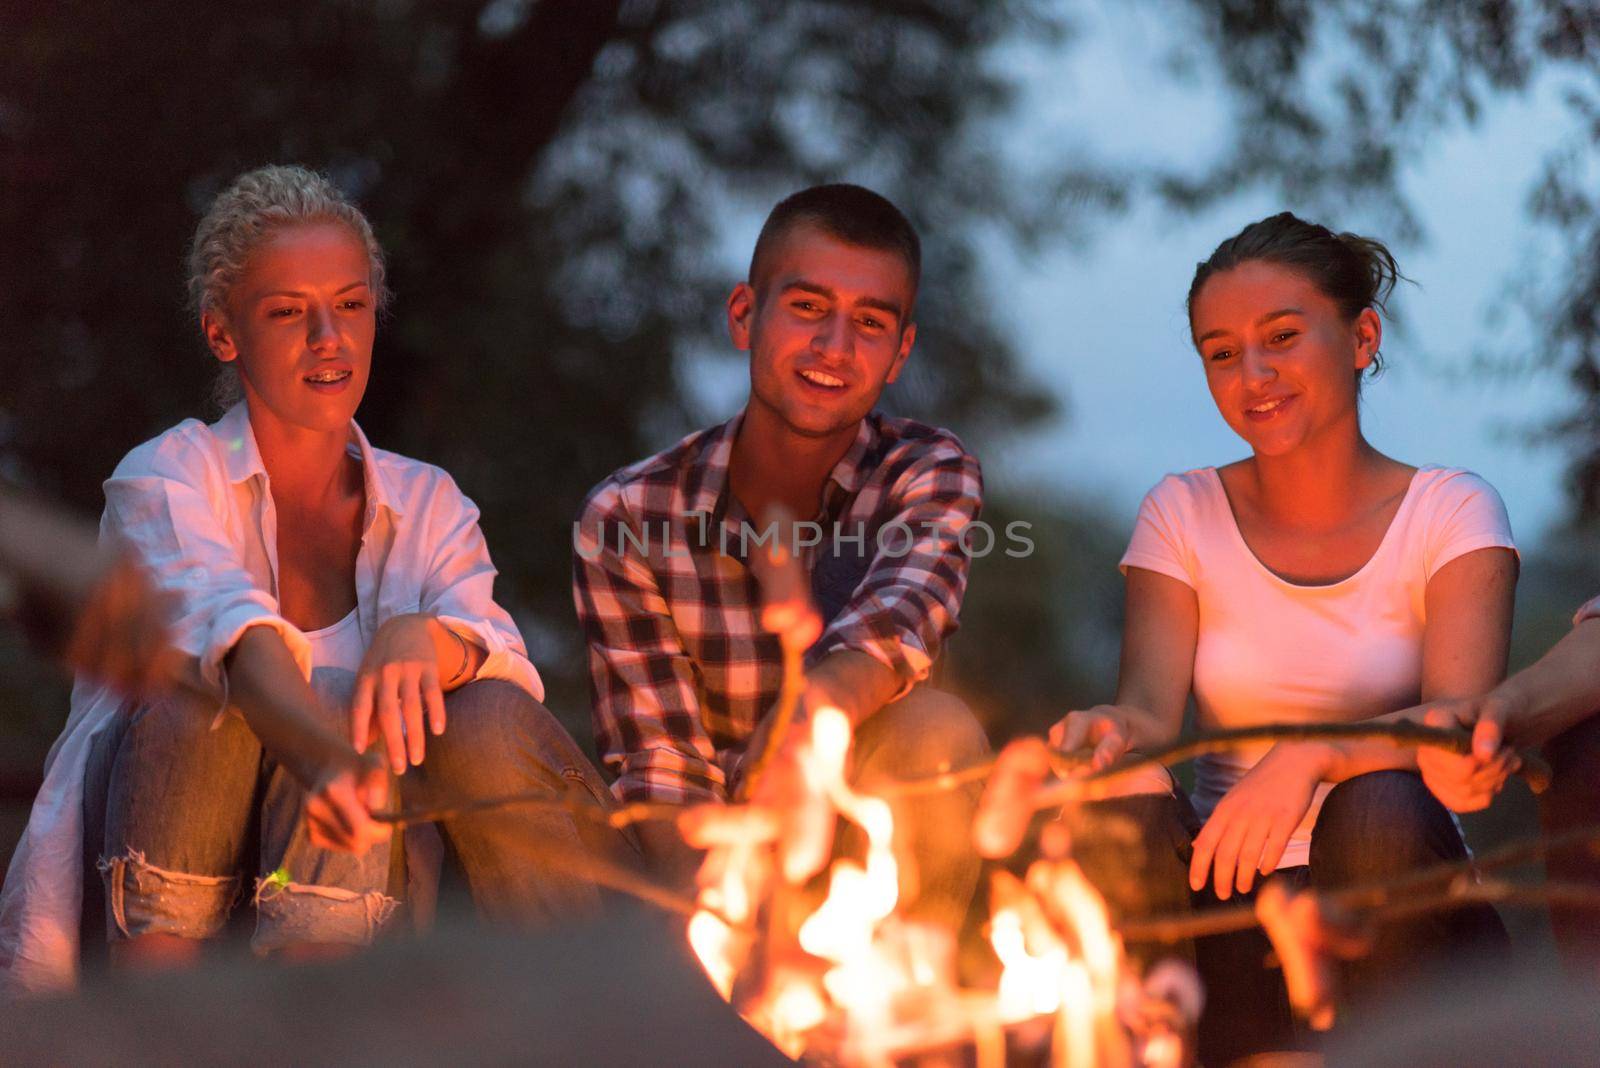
x: 1439, y: 886
x: 539, y: 801
x: 1400, y: 735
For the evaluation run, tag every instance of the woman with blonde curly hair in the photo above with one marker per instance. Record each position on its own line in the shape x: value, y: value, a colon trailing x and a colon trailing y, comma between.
x: 330, y: 594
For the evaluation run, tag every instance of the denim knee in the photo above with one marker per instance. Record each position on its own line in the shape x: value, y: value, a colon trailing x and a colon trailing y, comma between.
x: 498, y: 739
x: 926, y: 732
x: 144, y: 899
x: 1379, y: 824
x: 291, y: 913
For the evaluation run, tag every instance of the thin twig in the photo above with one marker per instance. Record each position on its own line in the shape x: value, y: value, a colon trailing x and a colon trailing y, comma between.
x: 794, y: 682
x: 595, y: 867
x: 1401, y: 735
x: 537, y: 800
x: 1436, y: 887
x: 610, y: 874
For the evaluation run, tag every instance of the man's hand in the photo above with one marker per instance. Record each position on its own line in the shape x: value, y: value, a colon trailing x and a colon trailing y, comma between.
x: 397, y: 687
x: 339, y: 808
x: 1253, y: 822
x: 1470, y: 781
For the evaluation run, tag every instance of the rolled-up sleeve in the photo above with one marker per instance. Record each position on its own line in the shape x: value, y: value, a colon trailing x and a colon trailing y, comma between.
x: 165, y: 503
x: 909, y: 602
x: 459, y: 589
x: 646, y: 707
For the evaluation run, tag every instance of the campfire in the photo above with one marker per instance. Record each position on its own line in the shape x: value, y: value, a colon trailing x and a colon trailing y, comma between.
x: 815, y: 947
x: 852, y: 980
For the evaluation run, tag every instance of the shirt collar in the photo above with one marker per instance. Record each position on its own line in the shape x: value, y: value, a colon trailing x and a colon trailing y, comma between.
x: 242, y: 458
x: 851, y: 470
x: 711, y: 469
x: 707, y: 495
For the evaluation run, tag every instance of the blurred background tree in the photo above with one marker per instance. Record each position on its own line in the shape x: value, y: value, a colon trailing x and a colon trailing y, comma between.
x: 551, y: 181
x: 566, y: 189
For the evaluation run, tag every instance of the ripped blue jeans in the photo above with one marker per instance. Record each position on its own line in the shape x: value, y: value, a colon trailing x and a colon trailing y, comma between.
x: 196, y: 820
x: 186, y: 806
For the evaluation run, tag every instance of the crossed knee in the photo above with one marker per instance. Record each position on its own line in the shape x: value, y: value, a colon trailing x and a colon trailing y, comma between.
x: 1384, y: 822
x: 497, y: 735
x: 924, y: 733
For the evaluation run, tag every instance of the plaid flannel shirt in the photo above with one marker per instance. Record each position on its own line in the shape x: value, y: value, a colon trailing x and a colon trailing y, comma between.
x: 680, y: 668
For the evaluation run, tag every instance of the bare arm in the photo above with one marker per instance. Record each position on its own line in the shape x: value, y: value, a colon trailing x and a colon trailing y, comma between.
x: 1558, y: 691
x: 1159, y: 635
x: 100, y: 610
x: 1464, y: 647
x: 853, y: 682
x: 265, y: 683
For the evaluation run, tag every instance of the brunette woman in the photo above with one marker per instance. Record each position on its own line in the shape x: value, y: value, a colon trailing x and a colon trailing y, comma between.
x: 1316, y: 580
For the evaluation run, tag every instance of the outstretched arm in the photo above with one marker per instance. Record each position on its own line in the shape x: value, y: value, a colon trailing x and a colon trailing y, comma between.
x: 1559, y: 691
x: 265, y: 684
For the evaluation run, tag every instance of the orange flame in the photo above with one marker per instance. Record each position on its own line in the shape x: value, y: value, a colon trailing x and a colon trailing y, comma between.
x: 877, y: 985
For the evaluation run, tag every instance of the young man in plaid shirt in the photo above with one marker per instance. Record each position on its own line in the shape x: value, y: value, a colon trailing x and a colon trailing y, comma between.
x: 683, y: 676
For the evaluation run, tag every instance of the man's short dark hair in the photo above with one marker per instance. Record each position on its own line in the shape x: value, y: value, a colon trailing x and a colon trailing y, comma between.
x: 851, y: 213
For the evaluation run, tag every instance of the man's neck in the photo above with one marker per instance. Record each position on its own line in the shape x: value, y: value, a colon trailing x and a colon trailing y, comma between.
x: 771, y: 464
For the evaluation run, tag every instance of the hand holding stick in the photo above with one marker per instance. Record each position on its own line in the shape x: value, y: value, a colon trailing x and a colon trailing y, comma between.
x: 97, y: 609
x: 788, y: 612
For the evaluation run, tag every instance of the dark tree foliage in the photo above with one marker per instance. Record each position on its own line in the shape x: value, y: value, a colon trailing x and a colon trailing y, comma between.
x: 1331, y: 96
x: 553, y: 182
x: 563, y: 184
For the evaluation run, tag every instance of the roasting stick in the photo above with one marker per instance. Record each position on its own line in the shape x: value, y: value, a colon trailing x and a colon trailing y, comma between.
x: 788, y: 612
x: 1439, y: 886
x: 1078, y: 785
x: 1068, y: 765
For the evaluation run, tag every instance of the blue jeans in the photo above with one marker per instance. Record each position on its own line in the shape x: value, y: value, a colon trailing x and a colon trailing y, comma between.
x: 186, y: 814
x: 1371, y: 827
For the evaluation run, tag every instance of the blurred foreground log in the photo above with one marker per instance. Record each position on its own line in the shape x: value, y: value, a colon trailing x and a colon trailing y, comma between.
x: 622, y: 992
x: 1535, y: 1016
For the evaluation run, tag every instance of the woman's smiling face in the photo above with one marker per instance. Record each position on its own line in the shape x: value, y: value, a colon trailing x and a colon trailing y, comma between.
x: 1282, y: 362
x: 300, y: 321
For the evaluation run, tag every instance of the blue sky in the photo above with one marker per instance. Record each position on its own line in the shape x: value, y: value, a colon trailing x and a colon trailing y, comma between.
x: 1101, y: 322
x: 1104, y: 323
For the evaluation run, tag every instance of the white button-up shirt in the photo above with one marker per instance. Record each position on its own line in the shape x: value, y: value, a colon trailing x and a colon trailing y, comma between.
x: 196, y: 505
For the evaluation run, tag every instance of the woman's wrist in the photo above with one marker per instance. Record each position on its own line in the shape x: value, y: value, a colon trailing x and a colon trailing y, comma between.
x: 1141, y: 728
x: 452, y: 652
x: 1323, y: 761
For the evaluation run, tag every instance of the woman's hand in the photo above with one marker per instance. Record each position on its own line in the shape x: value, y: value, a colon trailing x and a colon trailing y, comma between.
x: 1252, y: 823
x: 339, y: 807
x: 397, y: 686
x: 1467, y: 782
x: 1105, y: 727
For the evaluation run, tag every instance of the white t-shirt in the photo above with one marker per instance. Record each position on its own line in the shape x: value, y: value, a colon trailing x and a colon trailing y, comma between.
x: 1271, y: 651
x: 336, y: 655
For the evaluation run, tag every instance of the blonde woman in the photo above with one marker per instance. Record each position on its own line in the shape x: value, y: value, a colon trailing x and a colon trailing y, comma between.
x: 338, y: 595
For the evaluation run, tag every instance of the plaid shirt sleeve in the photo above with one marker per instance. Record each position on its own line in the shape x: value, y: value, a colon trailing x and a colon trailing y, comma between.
x: 646, y: 708
x: 909, y: 601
